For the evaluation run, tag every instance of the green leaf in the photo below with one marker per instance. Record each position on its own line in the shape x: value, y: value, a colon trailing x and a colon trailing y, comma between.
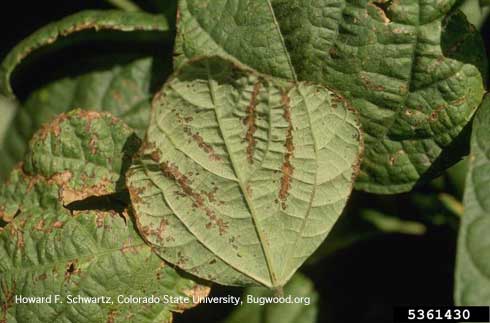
x: 7, y: 111
x: 119, y: 81
x: 123, y: 89
x: 126, y: 5
x: 297, y: 312
x: 241, y: 177
x: 86, y: 20
x: 51, y: 247
x: 413, y: 92
x: 473, y: 260
x: 475, y: 11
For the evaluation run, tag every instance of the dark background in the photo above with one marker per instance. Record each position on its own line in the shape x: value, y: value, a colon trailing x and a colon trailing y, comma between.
x: 357, y: 284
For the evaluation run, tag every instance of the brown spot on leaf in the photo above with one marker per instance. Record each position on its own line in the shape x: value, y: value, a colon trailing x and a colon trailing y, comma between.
x: 435, y: 112
x: 248, y: 190
x: 58, y: 224
x: 207, y: 148
x: 71, y: 269
x: 394, y: 157
x: 161, y: 229
x: 93, y: 145
x: 155, y: 156
x: 197, y: 292
x: 128, y: 246
x: 211, y: 195
x: 172, y: 171
x: 16, y: 229
x: 135, y: 193
x: 459, y: 101
x: 333, y: 52
x: 40, y: 225
x: 249, y: 121
x: 42, y: 277
x: 287, y: 167
x: 69, y: 194
x: 117, y: 96
x: 99, y: 219
x: 3, y: 214
x: 369, y: 84
x: 111, y: 318
x: 8, y: 299
x: 382, y: 8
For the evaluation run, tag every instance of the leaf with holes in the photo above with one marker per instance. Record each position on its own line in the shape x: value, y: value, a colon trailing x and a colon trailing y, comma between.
x: 241, y: 177
x: 473, y: 261
x: 62, y: 241
x: 405, y: 65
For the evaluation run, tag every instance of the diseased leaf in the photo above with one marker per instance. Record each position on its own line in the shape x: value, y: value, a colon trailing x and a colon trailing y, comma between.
x: 86, y: 20
x: 123, y: 89
x: 120, y: 82
x: 51, y: 247
x: 241, y: 177
x: 473, y: 260
x: 390, y: 58
x: 304, y: 311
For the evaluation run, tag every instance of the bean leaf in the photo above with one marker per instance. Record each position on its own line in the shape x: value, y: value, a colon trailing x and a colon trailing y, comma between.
x: 63, y: 243
x: 473, y: 261
x: 120, y: 82
x: 241, y: 176
x: 415, y: 87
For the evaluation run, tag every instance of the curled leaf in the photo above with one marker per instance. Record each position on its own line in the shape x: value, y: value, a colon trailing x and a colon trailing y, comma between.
x: 90, y: 19
x: 81, y: 262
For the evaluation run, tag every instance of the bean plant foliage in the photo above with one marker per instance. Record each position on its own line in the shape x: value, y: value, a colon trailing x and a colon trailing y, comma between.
x: 212, y: 142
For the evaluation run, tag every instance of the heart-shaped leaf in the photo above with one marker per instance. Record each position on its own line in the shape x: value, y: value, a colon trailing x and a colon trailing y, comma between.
x: 473, y: 265
x: 84, y: 257
x: 241, y: 177
x: 413, y: 81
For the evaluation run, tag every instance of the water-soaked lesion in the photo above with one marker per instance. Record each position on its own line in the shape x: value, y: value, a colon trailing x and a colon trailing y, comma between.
x: 287, y: 168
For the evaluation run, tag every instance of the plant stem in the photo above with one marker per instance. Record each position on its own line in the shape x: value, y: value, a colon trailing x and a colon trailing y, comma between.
x: 126, y: 5
x: 279, y: 291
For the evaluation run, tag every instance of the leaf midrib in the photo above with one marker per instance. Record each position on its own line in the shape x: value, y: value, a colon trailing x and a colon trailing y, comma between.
x: 283, y: 43
x: 262, y: 239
